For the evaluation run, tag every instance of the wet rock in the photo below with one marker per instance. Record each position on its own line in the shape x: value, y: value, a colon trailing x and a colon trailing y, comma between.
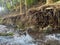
x: 54, y: 42
x: 3, y: 29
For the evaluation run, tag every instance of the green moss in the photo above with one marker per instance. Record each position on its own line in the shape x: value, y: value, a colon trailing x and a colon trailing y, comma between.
x: 0, y: 20
x: 48, y: 29
x: 20, y: 25
x: 6, y: 34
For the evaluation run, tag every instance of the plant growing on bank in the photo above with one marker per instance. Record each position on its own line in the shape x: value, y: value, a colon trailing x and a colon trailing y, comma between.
x: 1, y: 20
x: 48, y: 29
x: 13, y: 4
x: 6, y: 34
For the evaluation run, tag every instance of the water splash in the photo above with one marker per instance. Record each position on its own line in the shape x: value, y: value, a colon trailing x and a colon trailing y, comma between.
x: 53, y: 37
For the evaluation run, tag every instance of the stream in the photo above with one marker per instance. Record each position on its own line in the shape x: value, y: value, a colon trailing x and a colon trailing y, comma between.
x: 15, y: 39
x: 51, y: 39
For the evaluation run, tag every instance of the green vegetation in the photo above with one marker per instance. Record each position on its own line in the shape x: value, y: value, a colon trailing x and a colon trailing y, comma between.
x: 6, y: 34
x: 30, y: 2
x: 20, y: 25
x: 0, y: 20
x: 12, y: 4
x: 49, y: 30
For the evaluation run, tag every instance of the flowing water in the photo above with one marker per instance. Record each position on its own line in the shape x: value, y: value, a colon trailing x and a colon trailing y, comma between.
x: 15, y: 40
x: 25, y: 39
x: 53, y: 37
